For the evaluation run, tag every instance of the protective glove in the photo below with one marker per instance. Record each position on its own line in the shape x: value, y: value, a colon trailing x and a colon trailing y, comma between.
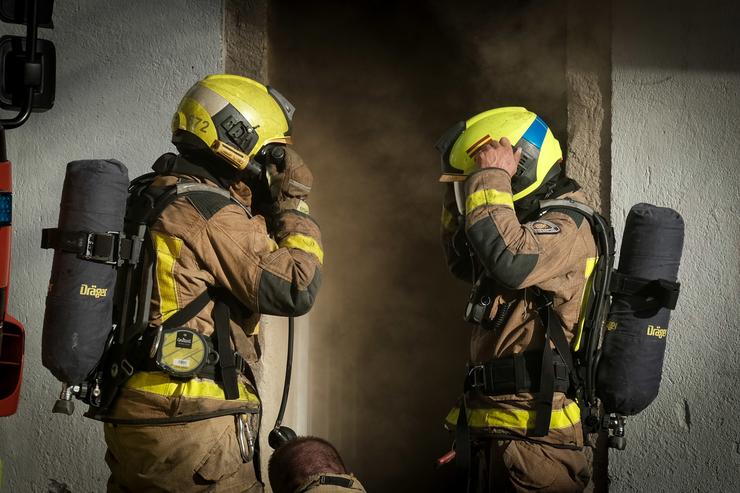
x: 290, y: 181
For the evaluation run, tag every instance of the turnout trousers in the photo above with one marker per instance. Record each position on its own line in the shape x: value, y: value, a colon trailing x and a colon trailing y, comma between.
x: 198, y: 456
x: 518, y: 466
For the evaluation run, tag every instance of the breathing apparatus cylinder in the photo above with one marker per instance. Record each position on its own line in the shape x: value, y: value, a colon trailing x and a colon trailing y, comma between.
x: 644, y: 291
x: 79, y: 302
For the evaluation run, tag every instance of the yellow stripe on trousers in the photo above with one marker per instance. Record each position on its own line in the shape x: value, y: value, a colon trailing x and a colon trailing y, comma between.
x: 522, y: 419
x: 162, y: 384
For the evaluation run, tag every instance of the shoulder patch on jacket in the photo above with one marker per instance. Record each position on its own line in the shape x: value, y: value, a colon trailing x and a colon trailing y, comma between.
x: 544, y: 227
x: 208, y: 203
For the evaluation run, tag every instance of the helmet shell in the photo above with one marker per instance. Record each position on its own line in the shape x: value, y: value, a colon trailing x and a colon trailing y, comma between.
x: 236, y: 111
x: 540, y: 149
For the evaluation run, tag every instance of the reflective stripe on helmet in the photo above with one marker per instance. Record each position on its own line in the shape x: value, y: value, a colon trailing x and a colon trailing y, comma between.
x: 162, y: 384
x: 536, y: 133
x: 520, y: 419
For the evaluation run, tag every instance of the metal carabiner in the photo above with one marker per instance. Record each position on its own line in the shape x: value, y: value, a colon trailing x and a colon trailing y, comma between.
x: 245, y: 438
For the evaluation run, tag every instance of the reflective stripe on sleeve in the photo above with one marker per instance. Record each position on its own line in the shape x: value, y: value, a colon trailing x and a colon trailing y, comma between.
x: 488, y: 197
x: 162, y: 384
x: 304, y: 243
x: 522, y: 419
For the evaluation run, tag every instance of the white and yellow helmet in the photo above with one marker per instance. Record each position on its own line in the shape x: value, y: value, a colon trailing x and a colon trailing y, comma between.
x: 233, y: 116
x: 525, y: 130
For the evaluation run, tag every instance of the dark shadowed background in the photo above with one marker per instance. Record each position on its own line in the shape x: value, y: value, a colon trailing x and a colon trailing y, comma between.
x: 375, y: 84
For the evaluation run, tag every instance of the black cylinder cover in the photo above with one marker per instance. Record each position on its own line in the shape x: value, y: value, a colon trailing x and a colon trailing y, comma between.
x: 631, y: 363
x: 79, y: 302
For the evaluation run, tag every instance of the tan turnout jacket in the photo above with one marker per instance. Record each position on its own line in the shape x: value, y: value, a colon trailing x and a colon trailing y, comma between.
x: 555, y: 253
x: 208, y: 240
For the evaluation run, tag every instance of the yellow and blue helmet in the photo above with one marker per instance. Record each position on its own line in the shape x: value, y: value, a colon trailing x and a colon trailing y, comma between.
x: 527, y: 131
x: 234, y: 116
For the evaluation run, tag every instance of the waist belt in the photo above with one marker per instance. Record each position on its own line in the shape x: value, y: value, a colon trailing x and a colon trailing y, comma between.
x: 515, y: 374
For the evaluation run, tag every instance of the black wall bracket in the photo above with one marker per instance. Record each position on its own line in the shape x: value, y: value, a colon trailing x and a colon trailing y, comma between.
x: 27, y: 64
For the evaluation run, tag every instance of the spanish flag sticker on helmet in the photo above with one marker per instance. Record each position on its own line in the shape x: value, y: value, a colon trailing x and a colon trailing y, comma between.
x: 540, y: 150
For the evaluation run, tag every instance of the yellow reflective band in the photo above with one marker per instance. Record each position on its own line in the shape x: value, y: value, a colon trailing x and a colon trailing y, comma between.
x: 590, y: 266
x: 449, y: 220
x: 162, y: 384
x: 168, y: 250
x: 304, y: 243
x: 522, y: 419
x: 488, y: 197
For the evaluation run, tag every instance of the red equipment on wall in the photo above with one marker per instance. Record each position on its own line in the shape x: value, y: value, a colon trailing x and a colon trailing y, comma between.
x: 27, y: 83
x: 12, y: 336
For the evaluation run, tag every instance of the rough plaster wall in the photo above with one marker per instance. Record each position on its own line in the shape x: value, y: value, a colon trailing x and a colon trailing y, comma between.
x: 588, y: 72
x: 676, y: 120
x: 374, y: 89
x: 121, y: 69
x: 588, y: 158
x: 245, y: 37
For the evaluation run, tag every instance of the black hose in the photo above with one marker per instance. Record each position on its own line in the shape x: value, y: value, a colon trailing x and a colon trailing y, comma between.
x: 288, y: 373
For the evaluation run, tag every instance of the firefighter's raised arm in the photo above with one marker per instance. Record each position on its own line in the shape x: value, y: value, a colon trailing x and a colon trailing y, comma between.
x: 516, y: 255
x: 273, y: 274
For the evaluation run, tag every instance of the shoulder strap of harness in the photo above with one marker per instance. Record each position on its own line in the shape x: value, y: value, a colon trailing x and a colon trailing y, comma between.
x: 553, y: 332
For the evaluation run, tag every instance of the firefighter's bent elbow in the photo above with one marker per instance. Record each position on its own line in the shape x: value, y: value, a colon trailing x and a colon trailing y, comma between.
x: 278, y: 296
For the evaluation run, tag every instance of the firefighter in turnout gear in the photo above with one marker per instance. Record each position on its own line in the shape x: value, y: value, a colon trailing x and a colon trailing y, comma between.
x: 517, y: 425
x: 242, y: 247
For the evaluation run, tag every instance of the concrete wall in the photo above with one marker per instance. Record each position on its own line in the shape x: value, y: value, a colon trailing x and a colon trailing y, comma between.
x: 676, y: 121
x: 121, y: 69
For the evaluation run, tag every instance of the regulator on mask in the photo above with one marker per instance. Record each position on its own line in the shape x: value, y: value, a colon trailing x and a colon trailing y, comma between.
x: 258, y: 176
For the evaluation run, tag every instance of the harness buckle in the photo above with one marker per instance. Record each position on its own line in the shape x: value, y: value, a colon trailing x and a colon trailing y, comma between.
x: 127, y: 367
x: 95, y: 242
x: 240, y: 363
x: 476, y: 378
